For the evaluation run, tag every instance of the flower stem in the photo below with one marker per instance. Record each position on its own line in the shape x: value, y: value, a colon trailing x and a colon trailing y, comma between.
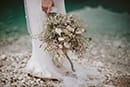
x: 72, y: 66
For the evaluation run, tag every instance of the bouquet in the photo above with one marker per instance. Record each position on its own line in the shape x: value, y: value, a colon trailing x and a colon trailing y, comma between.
x: 63, y: 33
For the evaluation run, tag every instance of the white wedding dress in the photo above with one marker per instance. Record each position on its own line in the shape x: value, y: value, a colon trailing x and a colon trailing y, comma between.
x: 40, y: 64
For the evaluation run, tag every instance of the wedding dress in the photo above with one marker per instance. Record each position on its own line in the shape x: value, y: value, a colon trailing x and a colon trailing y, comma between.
x: 40, y: 64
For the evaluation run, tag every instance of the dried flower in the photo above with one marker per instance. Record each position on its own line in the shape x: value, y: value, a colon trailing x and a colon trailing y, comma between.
x: 64, y: 32
x: 60, y: 46
x: 58, y: 31
x: 67, y: 45
x: 70, y: 28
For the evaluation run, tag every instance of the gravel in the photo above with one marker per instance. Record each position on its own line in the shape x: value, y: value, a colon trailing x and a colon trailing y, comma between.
x: 13, y: 75
x: 110, y: 58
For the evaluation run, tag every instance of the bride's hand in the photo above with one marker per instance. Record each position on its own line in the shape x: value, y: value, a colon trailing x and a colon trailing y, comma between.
x: 47, y: 5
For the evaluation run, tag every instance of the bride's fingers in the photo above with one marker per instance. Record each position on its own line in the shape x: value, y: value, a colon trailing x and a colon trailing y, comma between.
x: 50, y: 7
x: 48, y: 10
x: 47, y: 5
x: 45, y: 9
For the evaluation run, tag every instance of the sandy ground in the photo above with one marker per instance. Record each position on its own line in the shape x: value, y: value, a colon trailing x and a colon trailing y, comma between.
x: 107, y: 58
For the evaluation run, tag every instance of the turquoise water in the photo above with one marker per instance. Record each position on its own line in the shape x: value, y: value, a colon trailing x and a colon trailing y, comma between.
x: 12, y: 19
x: 102, y: 16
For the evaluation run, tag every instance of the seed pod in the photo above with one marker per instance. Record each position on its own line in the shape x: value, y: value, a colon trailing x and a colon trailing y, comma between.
x: 70, y: 28
x: 58, y: 31
x: 60, y: 46
x: 67, y: 45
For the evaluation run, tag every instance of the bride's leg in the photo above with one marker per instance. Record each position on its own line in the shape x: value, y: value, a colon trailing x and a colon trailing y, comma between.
x: 40, y: 63
x: 35, y: 19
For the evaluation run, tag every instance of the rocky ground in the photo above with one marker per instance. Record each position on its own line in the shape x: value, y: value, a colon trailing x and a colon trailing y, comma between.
x: 111, y: 59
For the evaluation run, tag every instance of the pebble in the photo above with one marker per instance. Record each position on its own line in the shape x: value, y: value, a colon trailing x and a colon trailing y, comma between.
x: 12, y: 75
x: 11, y: 72
x: 3, y: 57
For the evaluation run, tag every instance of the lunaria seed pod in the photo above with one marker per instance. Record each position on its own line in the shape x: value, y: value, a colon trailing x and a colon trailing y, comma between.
x: 70, y: 28
x: 67, y: 45
x: 58, y: 31
x: 60, y: 46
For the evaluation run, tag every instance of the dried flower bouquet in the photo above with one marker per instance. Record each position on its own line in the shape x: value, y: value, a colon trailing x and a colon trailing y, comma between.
x: 63, y: 33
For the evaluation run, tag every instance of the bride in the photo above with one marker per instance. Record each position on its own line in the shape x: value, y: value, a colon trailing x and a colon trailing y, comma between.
x: 40, y: 64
